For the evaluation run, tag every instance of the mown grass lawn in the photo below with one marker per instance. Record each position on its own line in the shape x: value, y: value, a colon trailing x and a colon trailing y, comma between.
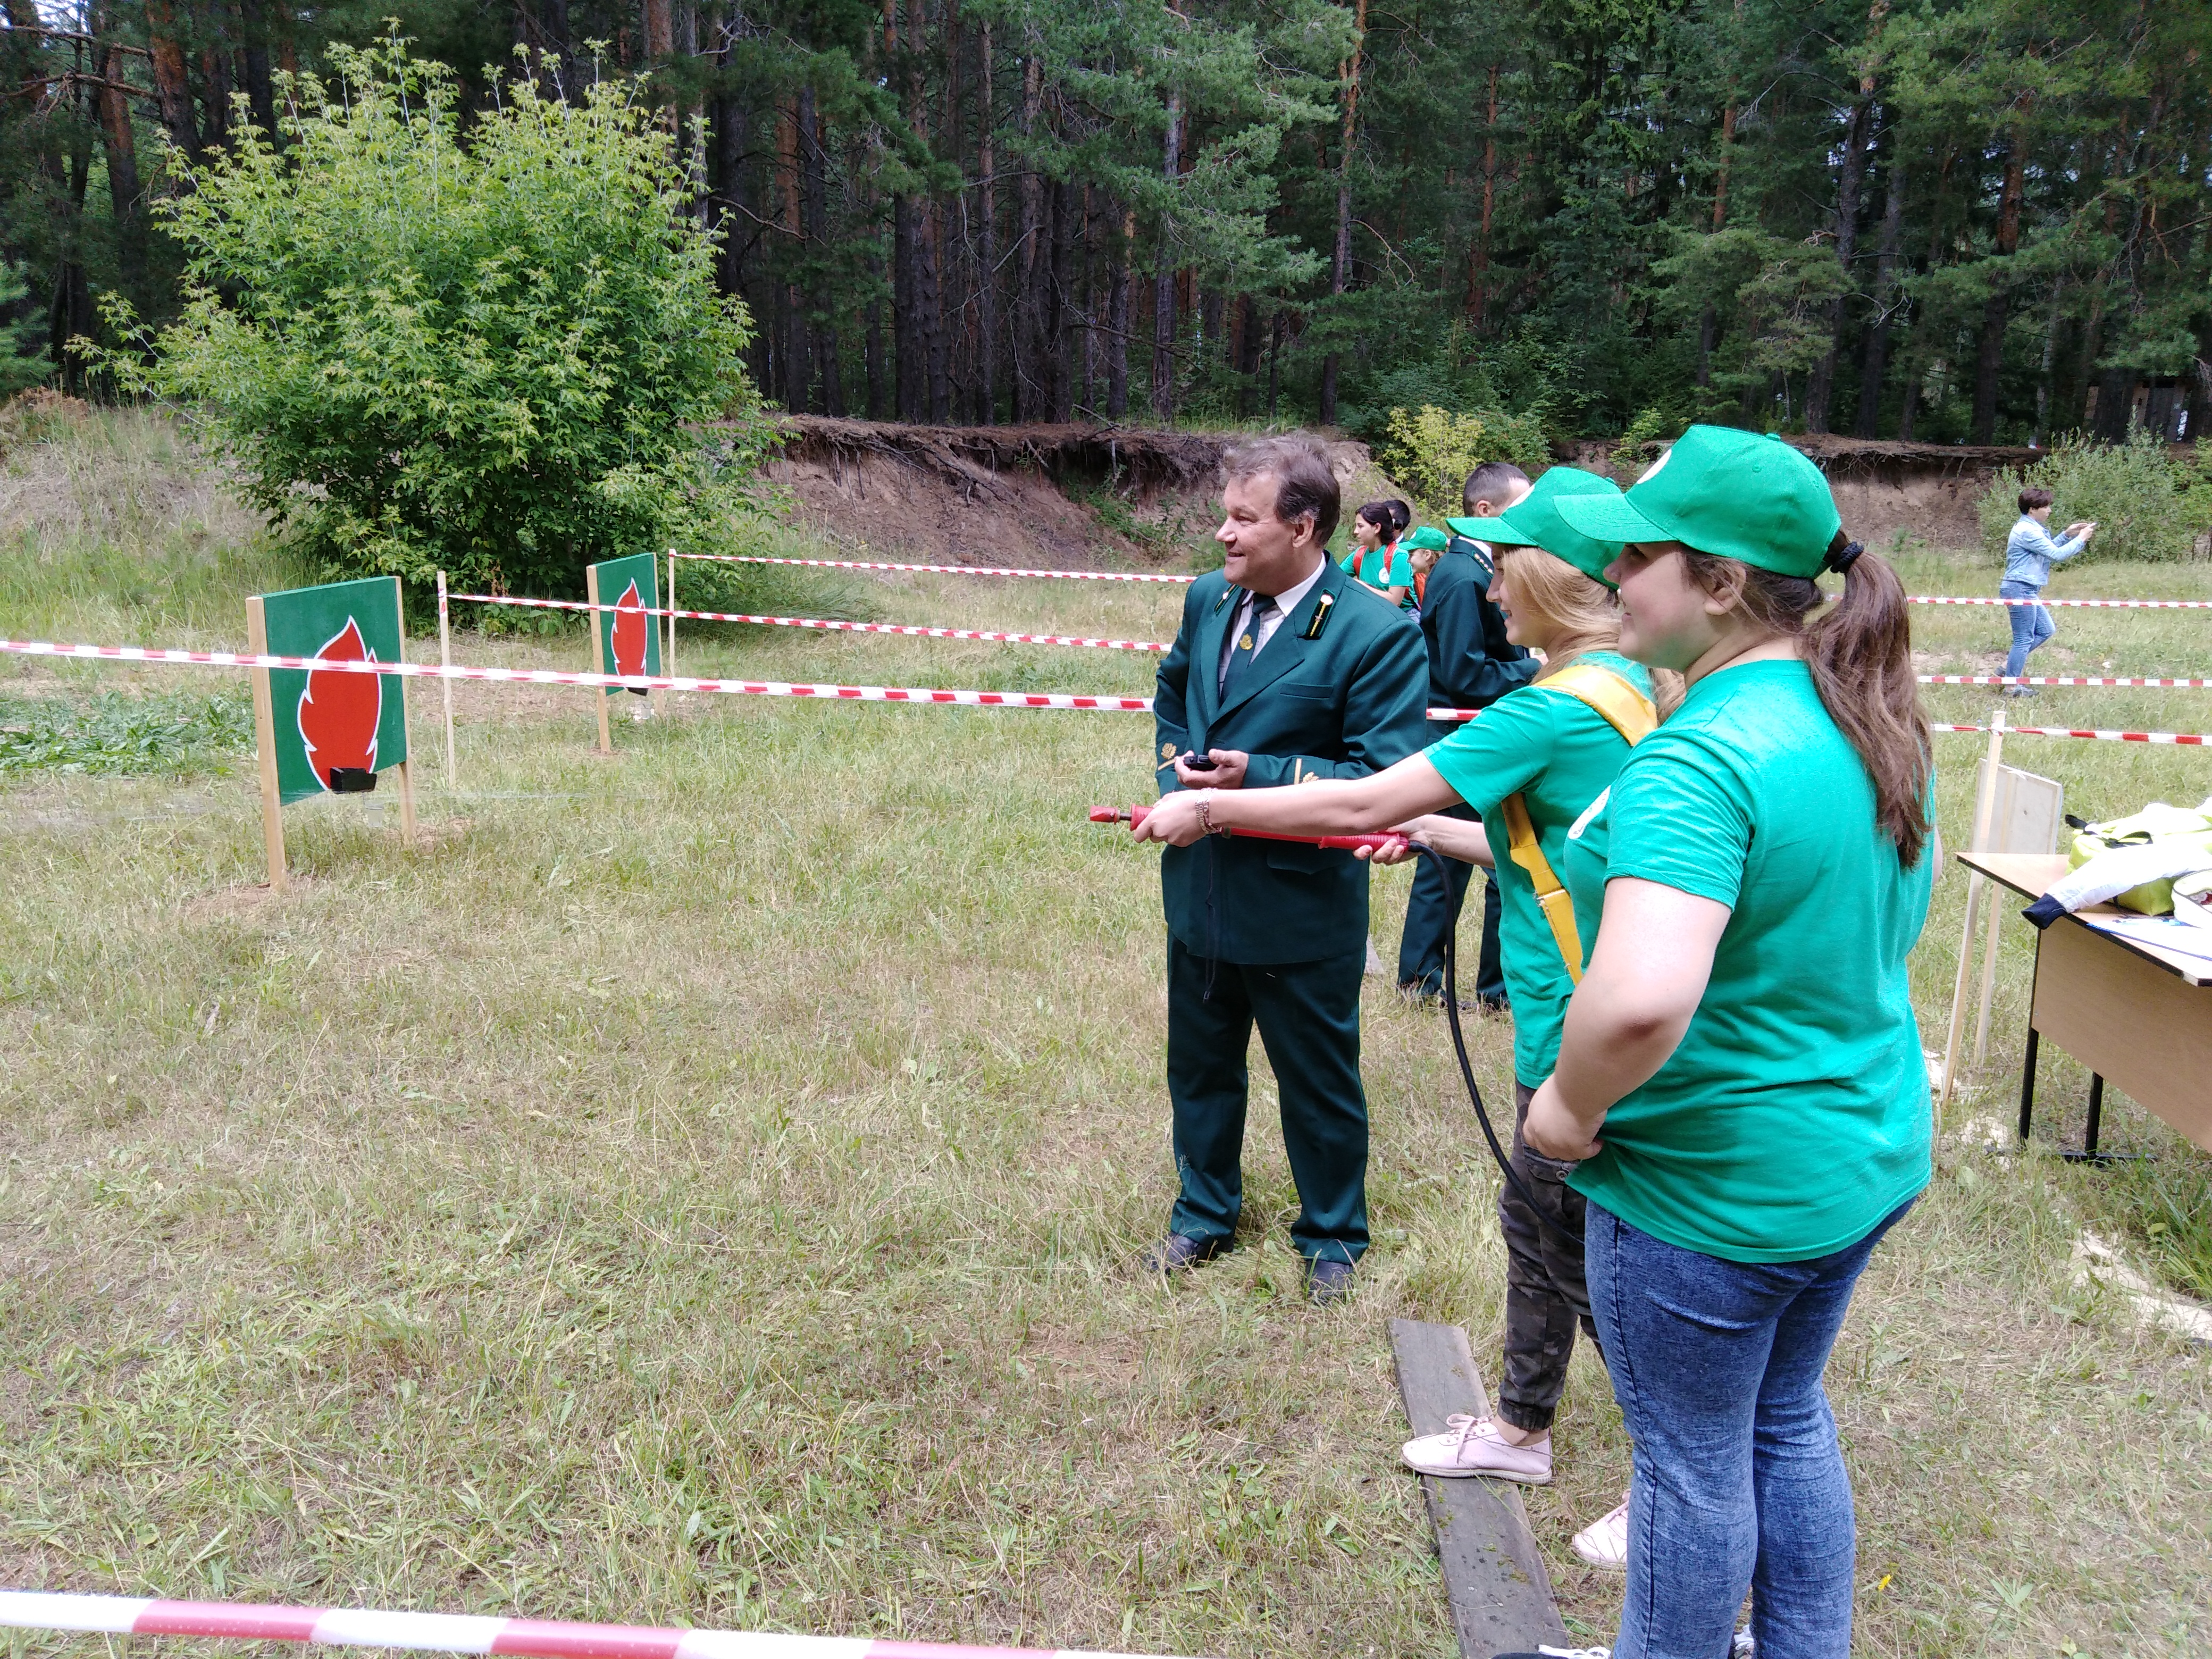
x: 701, y: 1186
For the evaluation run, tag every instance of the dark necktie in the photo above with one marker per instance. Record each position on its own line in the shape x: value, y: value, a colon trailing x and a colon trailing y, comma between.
x: 1248, y: 643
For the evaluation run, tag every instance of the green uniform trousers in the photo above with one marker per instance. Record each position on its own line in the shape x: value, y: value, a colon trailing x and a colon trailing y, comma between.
x: 1307, y: 1013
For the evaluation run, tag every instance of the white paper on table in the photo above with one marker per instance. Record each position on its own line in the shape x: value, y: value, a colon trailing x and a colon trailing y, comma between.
x: 2164, y: 932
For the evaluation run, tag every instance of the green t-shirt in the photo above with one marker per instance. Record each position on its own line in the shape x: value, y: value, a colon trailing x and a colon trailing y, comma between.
x: 1559, y: 753
x: 1385, y: 567
x: 1795, y: 1114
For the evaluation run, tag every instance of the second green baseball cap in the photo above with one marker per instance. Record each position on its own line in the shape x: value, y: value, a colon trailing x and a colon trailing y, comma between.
x: 1429, y: 537
x: 1725, y: 491
x: 1535, y: 520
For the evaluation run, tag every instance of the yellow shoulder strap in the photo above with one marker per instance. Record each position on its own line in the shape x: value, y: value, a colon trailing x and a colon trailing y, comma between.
x: 1626, y: 710
x: 1630, y: 713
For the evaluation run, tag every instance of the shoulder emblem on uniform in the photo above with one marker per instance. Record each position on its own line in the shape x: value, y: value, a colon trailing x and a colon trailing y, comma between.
x: 1323, y: 606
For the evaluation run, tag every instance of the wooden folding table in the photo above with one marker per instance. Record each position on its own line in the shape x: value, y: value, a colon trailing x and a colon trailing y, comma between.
x: 2135, y: 1014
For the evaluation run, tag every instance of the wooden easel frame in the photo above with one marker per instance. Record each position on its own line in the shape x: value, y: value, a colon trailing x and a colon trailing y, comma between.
x: 265, y: 736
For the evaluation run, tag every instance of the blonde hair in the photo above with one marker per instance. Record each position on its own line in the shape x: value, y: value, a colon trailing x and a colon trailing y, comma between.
x: 1583, y: 613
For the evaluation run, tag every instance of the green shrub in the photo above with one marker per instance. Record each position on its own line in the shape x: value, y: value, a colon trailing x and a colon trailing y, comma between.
x: 1639, y: 444
x: 2146, y: 504
x: 421, y: 351
x: 1431, y: 452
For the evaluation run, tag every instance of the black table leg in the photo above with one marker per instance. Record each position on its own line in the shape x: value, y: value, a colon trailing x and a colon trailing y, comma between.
x: 2096, y: 1114
x: 2027, y: 1082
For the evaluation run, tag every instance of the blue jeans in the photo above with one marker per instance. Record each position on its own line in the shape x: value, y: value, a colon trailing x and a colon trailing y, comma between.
x: 2030, y: 624
x: 1739, y: 1483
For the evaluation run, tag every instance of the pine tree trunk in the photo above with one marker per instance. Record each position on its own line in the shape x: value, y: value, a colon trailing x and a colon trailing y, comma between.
x: 1989, y: 359
x: 797, y: 349
x: 171, y: 88
x: 814, y: 133
x: 987, y: 227
x: 660, y: 30
x: 115, y: 130
x: 1118, y: 317
x: 1708, y: 318
x: 1850, y: 185
x: 1477, y: 263
x: 1873, y: 359
x: 1339, y: 271
x: 1031, y: 401
x: 260, y: 91
x: 214, y: 74
x: 1163, y: 292
x: 1061, y: 299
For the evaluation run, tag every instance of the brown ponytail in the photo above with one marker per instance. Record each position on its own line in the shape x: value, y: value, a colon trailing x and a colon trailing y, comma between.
x: 1861, y: 655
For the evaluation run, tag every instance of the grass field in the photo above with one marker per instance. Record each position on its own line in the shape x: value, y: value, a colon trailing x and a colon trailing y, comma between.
x: 700, y: 1186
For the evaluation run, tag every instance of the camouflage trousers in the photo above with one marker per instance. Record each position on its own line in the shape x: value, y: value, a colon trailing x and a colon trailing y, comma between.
x: 1546, y: 1295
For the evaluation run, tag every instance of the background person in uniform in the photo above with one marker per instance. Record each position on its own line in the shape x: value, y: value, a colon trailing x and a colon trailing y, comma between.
x: 1284, y: 669
x: 1471, y: 664
x: 1376, y: 559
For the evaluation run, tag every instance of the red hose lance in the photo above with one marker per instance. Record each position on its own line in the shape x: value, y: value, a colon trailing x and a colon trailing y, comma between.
x: 1134, y: 816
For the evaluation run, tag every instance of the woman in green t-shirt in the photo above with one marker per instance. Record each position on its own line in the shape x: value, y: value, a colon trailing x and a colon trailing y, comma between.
x: 1530, y: 767
x: 1739, y: 1077
x: 1376, y: 559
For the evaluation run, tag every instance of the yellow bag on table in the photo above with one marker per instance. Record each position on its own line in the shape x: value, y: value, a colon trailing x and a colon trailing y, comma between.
x: 2156, y: 823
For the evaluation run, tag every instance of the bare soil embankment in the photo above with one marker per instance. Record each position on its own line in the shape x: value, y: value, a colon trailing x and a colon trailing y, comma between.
x: 1073, y: 496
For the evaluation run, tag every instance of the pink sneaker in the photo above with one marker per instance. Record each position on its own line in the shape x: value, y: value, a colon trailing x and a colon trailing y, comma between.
x: 1471, y: 1445
x: 1604, y: 1542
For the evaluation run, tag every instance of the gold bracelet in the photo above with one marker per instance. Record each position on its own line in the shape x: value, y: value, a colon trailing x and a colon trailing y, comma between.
x: 1206, y: 812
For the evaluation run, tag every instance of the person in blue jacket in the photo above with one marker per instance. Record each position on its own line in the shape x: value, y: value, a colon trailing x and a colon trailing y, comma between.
x: 1472, y: 663
x: 2030, y: 552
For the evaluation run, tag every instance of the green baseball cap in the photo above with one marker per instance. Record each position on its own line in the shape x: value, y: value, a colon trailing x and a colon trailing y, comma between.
x: 1725, y: 491
x: 1429, y: 537
x: 1535, y: 520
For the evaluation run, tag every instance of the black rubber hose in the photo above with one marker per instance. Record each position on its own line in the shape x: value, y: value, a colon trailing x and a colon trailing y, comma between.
x: 1474, y: 1092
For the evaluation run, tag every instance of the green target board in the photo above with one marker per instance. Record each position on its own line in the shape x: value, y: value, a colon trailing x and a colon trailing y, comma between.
x: 628, y: 634
x: 332, y: 731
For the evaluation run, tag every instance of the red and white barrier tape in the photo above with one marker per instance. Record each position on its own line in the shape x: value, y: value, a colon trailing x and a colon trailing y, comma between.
x: 446, y: 1632
x: 1150, y: 576
x: 912, y: 629
x: 947, y: 569
x: 2190, y: 738
x: 2096, y: 604
x: 431, y: 671
x: 2059, y: 679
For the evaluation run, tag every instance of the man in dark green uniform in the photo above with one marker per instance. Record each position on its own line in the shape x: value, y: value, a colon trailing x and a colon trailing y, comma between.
x: 1284, y: 669
x: 1471, y: 665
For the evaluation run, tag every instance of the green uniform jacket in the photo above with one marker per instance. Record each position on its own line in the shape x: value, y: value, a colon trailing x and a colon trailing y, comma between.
x: 1470, y: 662
x: 1346, y: 703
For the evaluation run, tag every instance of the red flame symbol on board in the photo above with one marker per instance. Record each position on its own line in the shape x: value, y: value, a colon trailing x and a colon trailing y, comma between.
x: 338, y: 711
x: 629, y: 632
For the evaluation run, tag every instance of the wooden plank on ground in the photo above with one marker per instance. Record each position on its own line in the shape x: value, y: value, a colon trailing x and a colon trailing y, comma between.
x: 1501, y: 1596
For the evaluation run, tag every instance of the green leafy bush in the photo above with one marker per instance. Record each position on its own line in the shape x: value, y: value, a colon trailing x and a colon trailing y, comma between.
x: 478, y: 349
x: 1431, y: 452
x: 2147, y: 504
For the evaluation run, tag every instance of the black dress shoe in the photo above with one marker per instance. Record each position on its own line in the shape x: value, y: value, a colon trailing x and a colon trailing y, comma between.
x: 1328, y: 1282
x: 1178, y: 1251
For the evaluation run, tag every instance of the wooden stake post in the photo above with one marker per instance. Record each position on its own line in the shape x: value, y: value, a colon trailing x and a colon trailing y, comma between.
x: 668, y: 657
x: 445, y: 660
x: 406, y: 768
x: 264, y: 744
x: 598, y: 661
